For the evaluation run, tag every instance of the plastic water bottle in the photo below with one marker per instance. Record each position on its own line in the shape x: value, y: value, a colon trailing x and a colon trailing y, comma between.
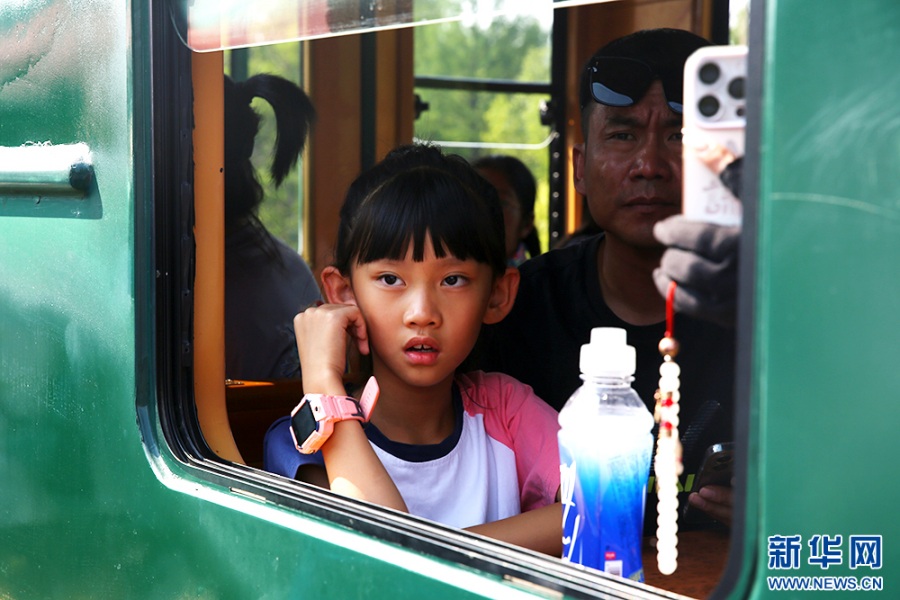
x: 605, y: 445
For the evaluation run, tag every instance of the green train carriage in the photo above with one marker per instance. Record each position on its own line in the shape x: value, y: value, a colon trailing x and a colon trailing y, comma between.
x: 124, y: 460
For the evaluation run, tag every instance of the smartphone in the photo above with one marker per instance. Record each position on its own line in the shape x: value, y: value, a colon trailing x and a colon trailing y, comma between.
x: 714, y: 113
x: 717, y: 468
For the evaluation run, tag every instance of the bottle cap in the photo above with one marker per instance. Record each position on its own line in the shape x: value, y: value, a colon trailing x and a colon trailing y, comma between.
x: 608, y: 354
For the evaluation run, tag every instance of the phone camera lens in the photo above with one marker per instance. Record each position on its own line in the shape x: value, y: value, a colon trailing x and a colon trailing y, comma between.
x: 708, y: 106
x: 736, y: 88
x: 709, y: 73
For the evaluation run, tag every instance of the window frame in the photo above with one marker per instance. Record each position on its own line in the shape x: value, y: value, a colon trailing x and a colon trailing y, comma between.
x: 173, y: 252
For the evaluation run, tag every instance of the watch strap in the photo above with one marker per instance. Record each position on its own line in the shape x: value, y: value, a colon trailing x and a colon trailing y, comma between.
x: 369, y: 398
x: 344, y: 408
x: 335, y: 408
x: 326, y: 410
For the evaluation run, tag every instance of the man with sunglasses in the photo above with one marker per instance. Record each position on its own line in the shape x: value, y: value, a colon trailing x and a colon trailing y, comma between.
x: 629, y: 170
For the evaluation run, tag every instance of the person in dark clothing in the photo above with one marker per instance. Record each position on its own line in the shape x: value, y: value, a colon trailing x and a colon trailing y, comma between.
x: 629, y: 169
x: 266, y: 281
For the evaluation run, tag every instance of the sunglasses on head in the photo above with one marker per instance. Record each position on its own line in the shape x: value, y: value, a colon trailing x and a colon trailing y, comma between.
x: 615, y: 81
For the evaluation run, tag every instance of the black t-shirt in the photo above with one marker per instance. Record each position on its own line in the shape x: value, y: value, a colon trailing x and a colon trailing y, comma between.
x: 560, y: 301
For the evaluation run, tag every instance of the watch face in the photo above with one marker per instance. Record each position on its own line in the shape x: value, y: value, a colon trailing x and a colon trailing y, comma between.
x: 303, y: 422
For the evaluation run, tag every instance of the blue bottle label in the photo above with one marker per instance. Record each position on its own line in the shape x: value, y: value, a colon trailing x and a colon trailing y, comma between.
x: 603, y: 489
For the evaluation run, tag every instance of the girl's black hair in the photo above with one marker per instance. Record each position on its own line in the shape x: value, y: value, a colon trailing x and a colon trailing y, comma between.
x: 414, y: 190
x: 294, y: 115
x: 522, y: 182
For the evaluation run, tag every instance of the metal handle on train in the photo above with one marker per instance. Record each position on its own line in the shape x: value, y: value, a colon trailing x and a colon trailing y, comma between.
x: 46, y: 169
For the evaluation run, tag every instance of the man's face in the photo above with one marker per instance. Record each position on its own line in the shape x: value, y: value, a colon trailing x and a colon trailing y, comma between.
x: 629, y: 167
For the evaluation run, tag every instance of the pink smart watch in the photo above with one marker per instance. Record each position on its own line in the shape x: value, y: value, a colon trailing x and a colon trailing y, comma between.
x: 312, y: 421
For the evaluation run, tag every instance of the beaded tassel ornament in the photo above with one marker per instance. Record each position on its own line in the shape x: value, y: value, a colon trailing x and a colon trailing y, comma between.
x: 668, y: 449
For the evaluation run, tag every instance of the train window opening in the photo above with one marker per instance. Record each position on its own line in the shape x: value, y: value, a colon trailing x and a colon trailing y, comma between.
x: 475, y: 106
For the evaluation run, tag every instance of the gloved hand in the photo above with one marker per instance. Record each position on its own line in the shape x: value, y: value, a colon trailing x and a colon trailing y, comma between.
x: 702, y: 259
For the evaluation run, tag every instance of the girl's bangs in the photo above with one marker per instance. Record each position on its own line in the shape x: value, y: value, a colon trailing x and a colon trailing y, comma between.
x: 408, y: 208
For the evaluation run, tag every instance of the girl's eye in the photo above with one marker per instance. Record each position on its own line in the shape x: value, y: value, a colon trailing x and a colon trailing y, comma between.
x: 455, y: 280
x: 389, y: 279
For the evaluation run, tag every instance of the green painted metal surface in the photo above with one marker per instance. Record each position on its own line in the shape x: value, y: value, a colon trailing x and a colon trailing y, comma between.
x: 93, y: 504
x: 88, y: 507
x: 827, y: 326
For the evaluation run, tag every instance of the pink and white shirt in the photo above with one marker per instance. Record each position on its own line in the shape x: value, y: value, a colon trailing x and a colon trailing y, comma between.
x: 502, y: 458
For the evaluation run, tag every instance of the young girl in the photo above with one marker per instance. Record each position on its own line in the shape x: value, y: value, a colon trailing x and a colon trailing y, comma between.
x: 420, y: 265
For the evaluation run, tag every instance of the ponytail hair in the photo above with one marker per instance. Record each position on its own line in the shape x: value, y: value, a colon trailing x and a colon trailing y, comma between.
x: 294, y: 115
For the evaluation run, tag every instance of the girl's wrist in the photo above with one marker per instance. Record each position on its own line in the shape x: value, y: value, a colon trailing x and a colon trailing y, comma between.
x: 323, y: 384
x: 344, y: 430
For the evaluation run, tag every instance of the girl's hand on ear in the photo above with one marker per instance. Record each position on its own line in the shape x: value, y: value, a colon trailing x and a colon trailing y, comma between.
x: 321, y: 333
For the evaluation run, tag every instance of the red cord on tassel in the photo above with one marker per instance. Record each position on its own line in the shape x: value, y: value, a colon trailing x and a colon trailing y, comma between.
x: 670, y: 310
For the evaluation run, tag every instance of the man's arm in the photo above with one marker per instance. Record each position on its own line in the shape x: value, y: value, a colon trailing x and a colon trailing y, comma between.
x: 715, y: 500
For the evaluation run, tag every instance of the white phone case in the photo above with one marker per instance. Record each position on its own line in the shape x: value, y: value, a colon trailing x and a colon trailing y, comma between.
x: 714, y: 112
